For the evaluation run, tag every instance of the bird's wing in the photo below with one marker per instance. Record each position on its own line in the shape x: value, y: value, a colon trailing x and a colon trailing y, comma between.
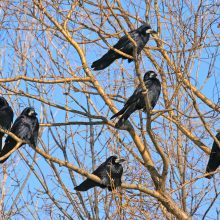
x: 85, y: 185
x: 154, y: 89
x: 6, y: 117
x: 21, y: 129
x: 129, y: 106
x: 214, y: 159
x: 98, y: 172
x: 35, y: 134
x: 149, y: 83
x: 88, y: 183
x: 135, y: 96
x: 124, y: 43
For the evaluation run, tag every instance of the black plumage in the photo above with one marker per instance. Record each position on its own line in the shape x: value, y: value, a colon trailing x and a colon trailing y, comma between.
x: 6, y: 117
x: 214, y: 159
x: 140, y: 36
x: 136, y: 101
x: 26, y: 127
x: 110, y: 169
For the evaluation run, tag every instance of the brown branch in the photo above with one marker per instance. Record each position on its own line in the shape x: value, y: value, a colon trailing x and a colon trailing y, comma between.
x: 25, y: 78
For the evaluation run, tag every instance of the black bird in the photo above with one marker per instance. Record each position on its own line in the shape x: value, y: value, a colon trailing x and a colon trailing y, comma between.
x: 6, y: 117
x: 140, y: 36
x: 26, y: 127
x: 136, y: 101
x: 214, y: 159
x: 111, y: 168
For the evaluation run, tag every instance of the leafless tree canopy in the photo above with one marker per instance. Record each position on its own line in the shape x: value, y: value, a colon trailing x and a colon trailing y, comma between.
x: 47, y: 48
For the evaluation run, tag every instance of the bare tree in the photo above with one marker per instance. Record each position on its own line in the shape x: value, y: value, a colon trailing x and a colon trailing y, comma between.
x: 47, y: 48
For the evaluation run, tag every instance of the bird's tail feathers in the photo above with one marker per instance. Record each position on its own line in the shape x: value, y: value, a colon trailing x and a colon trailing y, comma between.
x: 87, y: 184
x: 8, y: 147
x: 126, y: 114
x: 120, y: 122
x: 209, y: 176
x: 105, y: 61
x: 119, y: 113
x: 0, y: 144
x: 210, y: 169
x: 212, y: 166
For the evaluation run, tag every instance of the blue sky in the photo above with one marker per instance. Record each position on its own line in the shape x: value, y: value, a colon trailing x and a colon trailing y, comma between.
x: 37, y: 63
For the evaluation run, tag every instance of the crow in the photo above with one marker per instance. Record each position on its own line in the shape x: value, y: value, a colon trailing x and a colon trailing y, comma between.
x: 214, y: 159
x: 6, y: 117
x: 136, y: 101
x: 26, y: 127
x: 110, y: 169
x: 140, y: 36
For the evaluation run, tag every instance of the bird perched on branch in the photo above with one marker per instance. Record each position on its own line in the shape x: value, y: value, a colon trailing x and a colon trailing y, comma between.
x: 110, y: 173
x: 214, y: 159
x: 140, y: 36
x: 25, y: 127
x: 6, y: 117
x: 137, y: 102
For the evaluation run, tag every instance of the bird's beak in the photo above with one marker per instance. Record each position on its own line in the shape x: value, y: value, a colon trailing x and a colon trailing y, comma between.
x: 120, y: 160
x: 32, y: 113
x: 154, y: 75
x: 151, y: 31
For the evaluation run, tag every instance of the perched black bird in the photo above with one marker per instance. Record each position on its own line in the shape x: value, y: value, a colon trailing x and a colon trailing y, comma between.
x: 140, y: 36
x: 111, y: 168
x: 136, y: 101
x: 214, y: 159
x: 6, y: 117
x: 26, y: 127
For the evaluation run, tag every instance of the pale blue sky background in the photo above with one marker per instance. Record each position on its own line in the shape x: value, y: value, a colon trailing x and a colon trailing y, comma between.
x: 12, y: 65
